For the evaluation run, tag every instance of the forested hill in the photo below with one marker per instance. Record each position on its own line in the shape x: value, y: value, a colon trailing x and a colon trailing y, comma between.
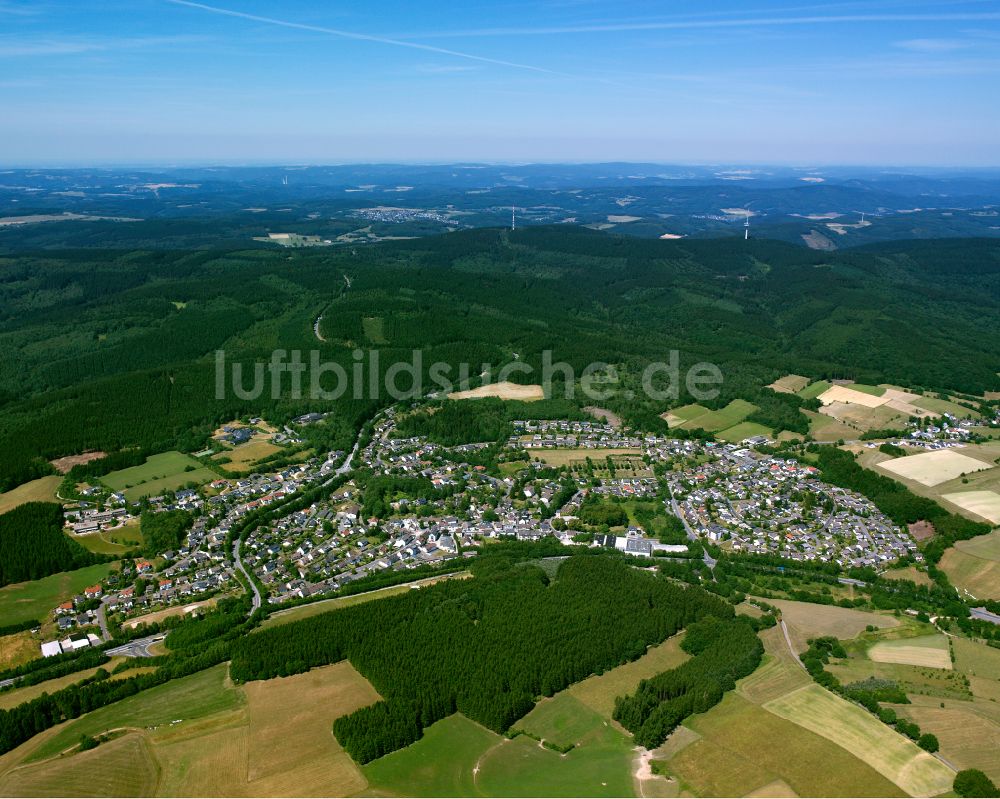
x: 112, y: 349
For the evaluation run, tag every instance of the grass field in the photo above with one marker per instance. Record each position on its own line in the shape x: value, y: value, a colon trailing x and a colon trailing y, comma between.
x: 713, y: 421
x: 813, y: 390
x: 826, y: 428
x: 789, y: 384
x: 270, y: 738
x: 243, y: 456
x: 927, y: 650
x: 601, y: 766
x: 910, y: 573
x: 121, y: 767
x: 806, y: 620
x: 9, y: 699
x: 326, y: 605
x: 192, y: 697
x: 977, y: 659
x: 442, y: 763
x: 974, y: 565
x: 37, y: 599
x: 566, y: 457
x: 562, y: 720
x: 41, y: 490
x: 599, y: 692
x: 932, y: 468
x: 17, y: 649
x: 291, y: 747
x: 112, y: 542
x: 743, y: 748
x: 162, y: 472
x: 967, y: 738
x: 777, y: 675
x: 374, y: 329
x: 940, y: 406
x: 875, y: 391
x: 860, y: 733
x: 743, y: 430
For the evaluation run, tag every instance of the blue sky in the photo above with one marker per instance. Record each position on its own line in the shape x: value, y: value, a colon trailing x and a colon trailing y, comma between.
x: 246, y: 81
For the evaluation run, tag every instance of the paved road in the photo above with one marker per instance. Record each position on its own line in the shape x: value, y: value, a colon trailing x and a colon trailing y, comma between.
x: 102, y: 618
x: 238, y: 560
x: 11, y: 681
x: 851, y: 581
x: 709, y: 560
x: 984, y: 615
x: 139, y: 648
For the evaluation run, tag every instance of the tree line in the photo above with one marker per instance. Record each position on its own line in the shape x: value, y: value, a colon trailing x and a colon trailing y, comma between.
x: 486, y: 647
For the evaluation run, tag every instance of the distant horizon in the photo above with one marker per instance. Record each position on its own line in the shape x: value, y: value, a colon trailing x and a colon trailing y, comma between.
x: 334, y: 163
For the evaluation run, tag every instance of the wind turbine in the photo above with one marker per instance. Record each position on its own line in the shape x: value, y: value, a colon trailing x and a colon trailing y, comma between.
x: 746, y: 224
x: 513, y: 224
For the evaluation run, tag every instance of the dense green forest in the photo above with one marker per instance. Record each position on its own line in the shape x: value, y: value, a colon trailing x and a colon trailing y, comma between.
x: 486, y: 647
x: 33, y: 545
x: 115, y: 349
x: 722, y: 650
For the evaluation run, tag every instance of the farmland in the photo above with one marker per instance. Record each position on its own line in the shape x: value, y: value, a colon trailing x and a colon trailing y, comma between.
x: 200, y: 736
x: 163, y: 472
x: 41, y: 490
x: 242, y: 457
x: 928, y: 650
x: 15, y: 649
x: 567, y: 457
x: 932, y: 468
x: 326, y: 605
x: 743, y: 430
x: 985, y: 504
x: 691, y: 417
x: 974, y: 565
x: 115, y: 541
x: 442, y: 763
x: 35, y: 600
x: 740, y: 747
x: 864, y: 736
x: 790, y: 384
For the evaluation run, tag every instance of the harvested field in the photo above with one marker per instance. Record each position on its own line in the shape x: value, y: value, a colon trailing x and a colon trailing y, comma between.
x: 929, y: 651
x: 860, y: 733
x: 850, y: 396
x: 932, y: 468
x: 292, y: 750
x: 507, y: 391
x: 778, y: 674
x: 121, y: 767
x: 789, y: 384
x: 826, y: 428
x: 967, y: 738
x: 974, y: 565
x: 41, y: 490
x: 985, y: 504
x: 605, y: 415
x: 63, y: 465
x: 806, y: 620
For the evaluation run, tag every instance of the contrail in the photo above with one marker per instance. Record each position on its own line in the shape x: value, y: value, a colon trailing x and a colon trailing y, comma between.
x: 695, y: 24
x: 368, y: 38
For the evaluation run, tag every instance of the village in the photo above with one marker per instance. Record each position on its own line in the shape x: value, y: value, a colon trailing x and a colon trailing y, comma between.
x: 411, y: 503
